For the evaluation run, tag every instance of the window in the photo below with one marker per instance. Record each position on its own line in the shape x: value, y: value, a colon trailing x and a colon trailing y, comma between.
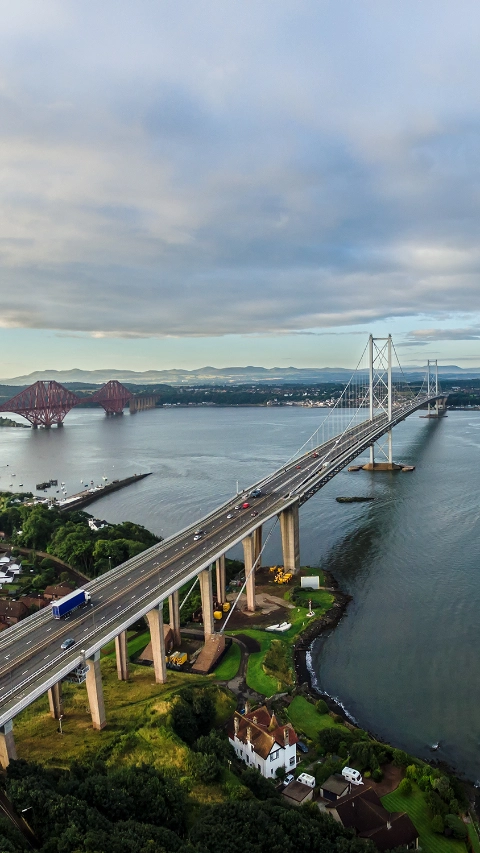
x: 292, y: 761
x: 274, y: 755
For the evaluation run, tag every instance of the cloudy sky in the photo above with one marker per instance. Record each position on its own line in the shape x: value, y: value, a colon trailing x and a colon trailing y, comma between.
x: 190, y: 182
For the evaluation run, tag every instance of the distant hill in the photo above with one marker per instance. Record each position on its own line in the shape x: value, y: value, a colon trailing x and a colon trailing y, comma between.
x: 221, y: 375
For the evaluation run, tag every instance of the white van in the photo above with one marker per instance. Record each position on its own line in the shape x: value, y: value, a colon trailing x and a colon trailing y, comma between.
x: 306, y: 779
x: 353, y: 776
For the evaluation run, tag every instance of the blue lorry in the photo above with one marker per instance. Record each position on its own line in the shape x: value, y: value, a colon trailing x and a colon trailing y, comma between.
x: 70, y: 602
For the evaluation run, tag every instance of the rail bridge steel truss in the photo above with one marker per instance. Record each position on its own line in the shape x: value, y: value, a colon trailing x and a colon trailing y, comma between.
x: 43, y: 403
x: 31, y: 660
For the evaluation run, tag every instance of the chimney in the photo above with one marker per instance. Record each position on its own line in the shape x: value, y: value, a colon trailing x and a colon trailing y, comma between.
x: 236, y: 724
x: 249, y: 734
x: 286, y: 736
x: 255, y: 720
x: 389, y: 825
x: 247, y: 707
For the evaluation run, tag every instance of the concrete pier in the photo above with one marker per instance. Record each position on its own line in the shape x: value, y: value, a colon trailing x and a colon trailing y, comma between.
x: 221, y: 579
x: 289, y: 528
x: 252, y: 545
x: 8, y: 751
x: 174, y: 617
x: 95, y: 692
x: 55, y: 700
x: 121, y: 654
x: 155, y: 624
x: 206, y: 592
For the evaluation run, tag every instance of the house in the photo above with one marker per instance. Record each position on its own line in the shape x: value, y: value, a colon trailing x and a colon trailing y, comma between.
x: 261, y: 742
x: 296, y: 794
x: 363, y: 812
x: 55, y: 591
x: 335, y: 787
x: 12, y: 611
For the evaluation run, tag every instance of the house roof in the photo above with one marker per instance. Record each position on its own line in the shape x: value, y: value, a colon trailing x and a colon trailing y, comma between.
x: 336, y: 784
x: 297, y: 791
x: 58, y: 590
x: 12, y: 609
x: 262, y: 729
x: 363, y: 812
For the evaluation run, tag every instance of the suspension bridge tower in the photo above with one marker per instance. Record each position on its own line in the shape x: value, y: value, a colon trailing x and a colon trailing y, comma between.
x: 381, y: 399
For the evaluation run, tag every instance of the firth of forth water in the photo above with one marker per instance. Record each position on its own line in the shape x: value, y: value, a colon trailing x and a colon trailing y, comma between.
x: 405, y: 659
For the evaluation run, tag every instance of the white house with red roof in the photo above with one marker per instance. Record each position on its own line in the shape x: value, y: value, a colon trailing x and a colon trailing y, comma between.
x: 261, y: 742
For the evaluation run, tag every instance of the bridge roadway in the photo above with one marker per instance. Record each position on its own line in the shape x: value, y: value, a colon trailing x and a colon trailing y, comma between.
x: 31, y: 660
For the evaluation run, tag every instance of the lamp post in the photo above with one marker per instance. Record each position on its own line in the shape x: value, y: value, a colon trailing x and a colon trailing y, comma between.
x: 60, y: 730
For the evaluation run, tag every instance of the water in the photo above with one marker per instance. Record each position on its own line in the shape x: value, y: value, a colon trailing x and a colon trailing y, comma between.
x: 404, y: 661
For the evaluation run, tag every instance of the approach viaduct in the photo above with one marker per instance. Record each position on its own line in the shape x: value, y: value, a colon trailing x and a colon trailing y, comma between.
x: 31, y: 661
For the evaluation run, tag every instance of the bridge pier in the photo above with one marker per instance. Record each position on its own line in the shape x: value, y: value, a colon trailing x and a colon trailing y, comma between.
x: 121, y: 654
x: 221, y: 580
x: 8, y: 751
x: 252, y: 546
x: 95, y: 692
x: 174, y: 616
x: 155, y: 624
x: 290, y: 531
x: 55, y: 700
x: 206, y: 592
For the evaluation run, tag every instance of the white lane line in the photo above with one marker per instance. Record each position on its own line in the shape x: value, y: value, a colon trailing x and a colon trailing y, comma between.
x: 24, y: 671
x: 115, y: 587
x: 99, y: 597
x: 46, y: 656
x: 119, y: 606
x: 28, y: 642
x: 85, y: 629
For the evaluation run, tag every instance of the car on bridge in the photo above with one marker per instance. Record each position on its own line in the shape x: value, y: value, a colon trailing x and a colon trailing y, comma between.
x: 245, y: 505
x: 198, y: 535
x: 255, y: 493
x: 67, y: 644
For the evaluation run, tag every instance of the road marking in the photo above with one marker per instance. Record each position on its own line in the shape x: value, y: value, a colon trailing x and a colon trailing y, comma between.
x: 48, y: 629
x: 115, y: 587
x: 46, y: 656
x: 28, y: 642
x: 85, y: 629
x: 119, y: 606
x: 99, y: 597
x: 24, y: 671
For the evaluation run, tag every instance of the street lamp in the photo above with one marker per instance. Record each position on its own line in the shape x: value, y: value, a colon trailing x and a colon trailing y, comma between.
x: 60, y: 730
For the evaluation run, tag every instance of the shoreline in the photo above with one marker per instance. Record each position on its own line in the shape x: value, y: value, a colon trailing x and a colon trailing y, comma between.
x: 305, y: 677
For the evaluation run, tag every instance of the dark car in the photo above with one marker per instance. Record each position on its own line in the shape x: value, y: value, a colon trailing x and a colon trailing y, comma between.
x: 67, y: 644
x: 254, y: 513
x: 302, y: 746
x: 256, y: 493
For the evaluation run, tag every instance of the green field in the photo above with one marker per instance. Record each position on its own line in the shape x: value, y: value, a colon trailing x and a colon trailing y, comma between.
x: 228, y: 668
x: 416, y: 808
x: 304, y: 718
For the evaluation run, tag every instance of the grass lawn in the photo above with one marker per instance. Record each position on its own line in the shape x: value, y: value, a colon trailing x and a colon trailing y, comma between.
x: 228, y: 668
x: 416, y: 808
x: 474, y: 837
x: 304, y: 718
x: 137, y: 722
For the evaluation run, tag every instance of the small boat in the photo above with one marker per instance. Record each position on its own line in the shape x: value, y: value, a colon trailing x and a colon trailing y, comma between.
x: 20, y: 484
x: 435, y: 746
x: 62, y: 484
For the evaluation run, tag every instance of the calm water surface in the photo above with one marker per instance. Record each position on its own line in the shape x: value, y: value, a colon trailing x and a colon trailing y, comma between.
x: 405, y: 659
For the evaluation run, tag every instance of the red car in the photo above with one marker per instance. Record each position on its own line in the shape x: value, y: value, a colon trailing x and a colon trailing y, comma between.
x: 245, y: 505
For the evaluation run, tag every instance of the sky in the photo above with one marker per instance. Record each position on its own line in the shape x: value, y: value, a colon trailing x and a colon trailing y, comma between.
x: 232, y: 182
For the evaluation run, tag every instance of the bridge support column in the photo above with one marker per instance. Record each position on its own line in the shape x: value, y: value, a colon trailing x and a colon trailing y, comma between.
x: 155, y: 624
x: 95, y: 692
x: 121, y: 654
x: 206, y: 593
x: 221, y: 579
x: 289, y: 528
x: 174, y: 616
x: 8, y: 751
x: 55, y: 700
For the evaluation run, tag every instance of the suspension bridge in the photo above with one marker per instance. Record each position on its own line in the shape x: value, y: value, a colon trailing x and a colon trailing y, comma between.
x: 31, y: 659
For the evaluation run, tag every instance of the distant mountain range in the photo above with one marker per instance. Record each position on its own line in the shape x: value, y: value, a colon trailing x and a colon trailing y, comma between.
x: 223, y: 375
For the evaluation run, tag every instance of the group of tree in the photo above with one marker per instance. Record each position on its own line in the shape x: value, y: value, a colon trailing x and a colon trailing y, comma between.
x: 96, y: 809
x: 69, y: 537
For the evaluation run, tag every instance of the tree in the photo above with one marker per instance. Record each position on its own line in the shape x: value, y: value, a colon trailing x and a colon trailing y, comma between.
x: 437, y: 824
x: 454, y: 826
x: 321, y: 707
x: 405, y: 787
x: 205, y: 768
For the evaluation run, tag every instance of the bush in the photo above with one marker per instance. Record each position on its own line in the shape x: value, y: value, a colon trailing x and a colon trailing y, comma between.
x: 377, y: 775
x: 321, y: 707
x: 405, y: 787
x: 411, y: 772
x: 456, y: 827
x: 437, y: 824
x: 400, y: 758
x: 205, y: 768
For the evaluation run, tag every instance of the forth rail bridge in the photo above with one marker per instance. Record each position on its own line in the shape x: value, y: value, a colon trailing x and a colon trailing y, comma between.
x: 31, y: 660
x: 46, y: 403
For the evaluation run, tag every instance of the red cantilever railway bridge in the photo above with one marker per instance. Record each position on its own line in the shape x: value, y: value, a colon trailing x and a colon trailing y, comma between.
x: 47, y: 403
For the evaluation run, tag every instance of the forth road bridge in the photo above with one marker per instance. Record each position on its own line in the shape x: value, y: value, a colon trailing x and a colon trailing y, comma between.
x: 31, y: 659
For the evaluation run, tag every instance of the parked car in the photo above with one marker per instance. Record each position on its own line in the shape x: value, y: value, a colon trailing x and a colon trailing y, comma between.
x: 302, y: 746
x: 288, y: 778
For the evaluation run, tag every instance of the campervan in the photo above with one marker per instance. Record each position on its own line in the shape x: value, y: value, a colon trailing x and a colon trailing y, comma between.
x: 353, y: 776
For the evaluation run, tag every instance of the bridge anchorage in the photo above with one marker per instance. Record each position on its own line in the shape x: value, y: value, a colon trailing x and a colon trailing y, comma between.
x: 32, y: 661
